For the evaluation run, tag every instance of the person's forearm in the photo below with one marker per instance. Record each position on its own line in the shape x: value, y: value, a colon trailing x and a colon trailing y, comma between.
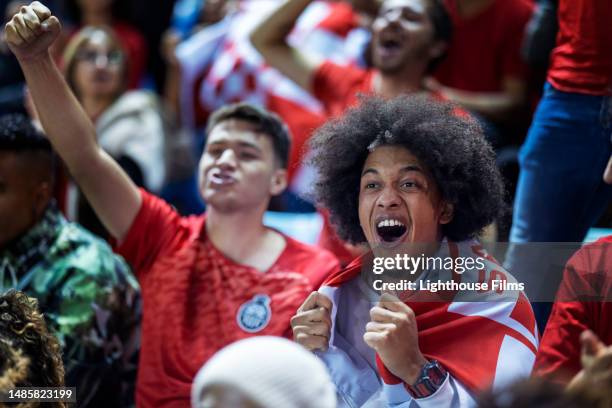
x: 494, y: 105
x: 113, y: 196
x: 65, y: 123
x: 274, y: 29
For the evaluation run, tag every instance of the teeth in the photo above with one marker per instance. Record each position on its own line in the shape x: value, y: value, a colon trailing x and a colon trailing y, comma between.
x: 390, y: 223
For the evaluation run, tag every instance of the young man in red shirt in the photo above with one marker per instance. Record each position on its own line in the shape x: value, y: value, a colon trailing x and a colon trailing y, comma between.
x: 207, y: 280
x: 408, y: 36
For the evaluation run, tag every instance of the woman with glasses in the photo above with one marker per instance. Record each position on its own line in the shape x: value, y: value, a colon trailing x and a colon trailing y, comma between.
x: 129, y: 124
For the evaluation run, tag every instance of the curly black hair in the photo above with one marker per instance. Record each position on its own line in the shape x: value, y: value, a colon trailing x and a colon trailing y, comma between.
x: 18, y: 134
x: 450, y: 145
x: 23, y: 327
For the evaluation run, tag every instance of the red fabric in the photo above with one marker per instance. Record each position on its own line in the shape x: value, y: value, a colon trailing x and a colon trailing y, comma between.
x: 136, y: 48
x: 337, y: 86
x: 582, y: 61
x: 587, y: 274
x: 467, y: 345
x: 192, y: 293
x: 341, y: 19
x: 486, y: 47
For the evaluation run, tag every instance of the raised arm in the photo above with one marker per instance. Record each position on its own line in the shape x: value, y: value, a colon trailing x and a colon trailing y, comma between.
x: 270, y: 39
x: 112, y: 194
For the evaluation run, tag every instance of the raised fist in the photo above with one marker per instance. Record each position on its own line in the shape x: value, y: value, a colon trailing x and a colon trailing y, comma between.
x: 31, y: 31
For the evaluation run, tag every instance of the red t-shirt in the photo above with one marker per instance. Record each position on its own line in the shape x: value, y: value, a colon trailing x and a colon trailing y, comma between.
x: 196, y: 301
x: 588, y: 275
x: 485, y: 48
x: 582, y: 61
x: 337, y: 86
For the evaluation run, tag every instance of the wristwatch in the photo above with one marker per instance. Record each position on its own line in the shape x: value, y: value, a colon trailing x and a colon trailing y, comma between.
x: 430, y: 380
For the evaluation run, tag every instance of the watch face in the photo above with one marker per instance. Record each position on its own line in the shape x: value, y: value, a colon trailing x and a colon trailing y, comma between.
x: 432, y: 377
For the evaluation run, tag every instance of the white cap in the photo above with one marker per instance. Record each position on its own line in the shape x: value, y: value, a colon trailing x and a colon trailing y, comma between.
x: 269, y: 371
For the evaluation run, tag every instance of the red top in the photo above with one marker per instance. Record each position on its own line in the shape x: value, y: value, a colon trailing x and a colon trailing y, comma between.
x: 587, y: 275
x: 337, y: 86
x: 195, y: 300
x: 582, y: 61
x: 485, y: 48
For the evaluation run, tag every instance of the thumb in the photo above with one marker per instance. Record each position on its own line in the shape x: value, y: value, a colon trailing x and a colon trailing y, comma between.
x: 51, y: 25
x: 591, y: 345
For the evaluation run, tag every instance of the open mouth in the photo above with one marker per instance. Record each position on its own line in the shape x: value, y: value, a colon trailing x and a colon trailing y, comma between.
x: 389, y: 46
x: 221, y: 179
x: 391, y: 230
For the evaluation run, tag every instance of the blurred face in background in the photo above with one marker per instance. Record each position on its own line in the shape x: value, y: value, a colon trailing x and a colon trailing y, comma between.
x: 95, y: 6
x: 100, y: 67
x: 23, y: 196
x: 401, y: 34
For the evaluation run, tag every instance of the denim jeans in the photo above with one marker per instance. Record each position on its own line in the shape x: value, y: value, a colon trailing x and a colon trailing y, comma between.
x: 560, y: 192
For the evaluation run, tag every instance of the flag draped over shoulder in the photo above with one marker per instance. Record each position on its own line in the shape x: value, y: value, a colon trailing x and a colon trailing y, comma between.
x: 485, y: 339
x: 220, y: 66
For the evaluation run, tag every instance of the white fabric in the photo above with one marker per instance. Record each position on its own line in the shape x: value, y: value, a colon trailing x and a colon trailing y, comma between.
x: 133, y: 127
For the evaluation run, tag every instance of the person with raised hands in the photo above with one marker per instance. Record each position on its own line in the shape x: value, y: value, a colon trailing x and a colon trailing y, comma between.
x: 206, y: 280
x: 411, y: 179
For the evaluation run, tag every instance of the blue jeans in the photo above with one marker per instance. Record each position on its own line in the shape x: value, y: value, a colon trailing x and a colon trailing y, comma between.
x: 560, y: 192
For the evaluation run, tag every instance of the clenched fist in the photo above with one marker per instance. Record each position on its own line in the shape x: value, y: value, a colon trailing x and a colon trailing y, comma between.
x: 312, y: 323
x: 31, y: 31
x: 392, y: 333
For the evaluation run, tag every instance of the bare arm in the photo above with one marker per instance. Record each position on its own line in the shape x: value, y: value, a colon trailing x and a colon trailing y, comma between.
x: 112, y: 194
x: 493, y: 105
x: 270, y: 39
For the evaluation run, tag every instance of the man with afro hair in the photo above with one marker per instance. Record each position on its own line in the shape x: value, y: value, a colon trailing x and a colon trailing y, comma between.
x: 414, y: 180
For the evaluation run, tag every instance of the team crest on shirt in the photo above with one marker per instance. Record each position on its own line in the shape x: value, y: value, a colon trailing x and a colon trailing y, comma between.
x: 254, y: 315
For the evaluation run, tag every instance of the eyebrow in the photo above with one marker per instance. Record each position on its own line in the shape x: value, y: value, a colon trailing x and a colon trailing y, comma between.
x: 240, y: 144
x: 405, y: 169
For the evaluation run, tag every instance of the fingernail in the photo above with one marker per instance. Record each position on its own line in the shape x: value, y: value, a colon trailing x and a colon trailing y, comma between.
x: 45, y: 25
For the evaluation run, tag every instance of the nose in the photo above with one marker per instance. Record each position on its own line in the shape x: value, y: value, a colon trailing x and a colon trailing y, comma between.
x: 227, y: 159
x: 101, y: 61
x: 389, y: 198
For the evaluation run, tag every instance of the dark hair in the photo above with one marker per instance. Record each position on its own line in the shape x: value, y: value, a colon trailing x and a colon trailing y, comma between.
x: 24, y: 331
x: 18, y: 134
x: 443, y: 28
x: 263, y: 121
x: 452, y: 148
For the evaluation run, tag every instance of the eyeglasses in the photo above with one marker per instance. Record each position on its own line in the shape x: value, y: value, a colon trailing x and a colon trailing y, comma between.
x: 111, y: 58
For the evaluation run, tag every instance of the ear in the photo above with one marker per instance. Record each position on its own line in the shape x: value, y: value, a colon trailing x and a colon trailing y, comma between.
x: 437, y: 49
x: 42, y: 196
x: 278, y: 182
x: 448, y: 211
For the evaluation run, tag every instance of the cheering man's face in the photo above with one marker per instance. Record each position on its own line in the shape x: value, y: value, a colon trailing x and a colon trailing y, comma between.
x: 238, y: 169
x: 401, y: 34
x: 399, y: 201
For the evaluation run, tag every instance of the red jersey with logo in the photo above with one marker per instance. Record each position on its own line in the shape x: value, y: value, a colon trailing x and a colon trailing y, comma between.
x: 582, y: 62
x: 586, y: 279
x: 196, y: 300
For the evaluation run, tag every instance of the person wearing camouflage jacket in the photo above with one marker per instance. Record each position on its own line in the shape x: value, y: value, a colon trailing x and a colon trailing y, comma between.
x: 87, y: 294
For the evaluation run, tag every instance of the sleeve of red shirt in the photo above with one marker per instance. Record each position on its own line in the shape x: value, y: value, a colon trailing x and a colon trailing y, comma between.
x: 558, y: 357
x: 512, y: 62
x: 335, y: 85
x: 152, y: 233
